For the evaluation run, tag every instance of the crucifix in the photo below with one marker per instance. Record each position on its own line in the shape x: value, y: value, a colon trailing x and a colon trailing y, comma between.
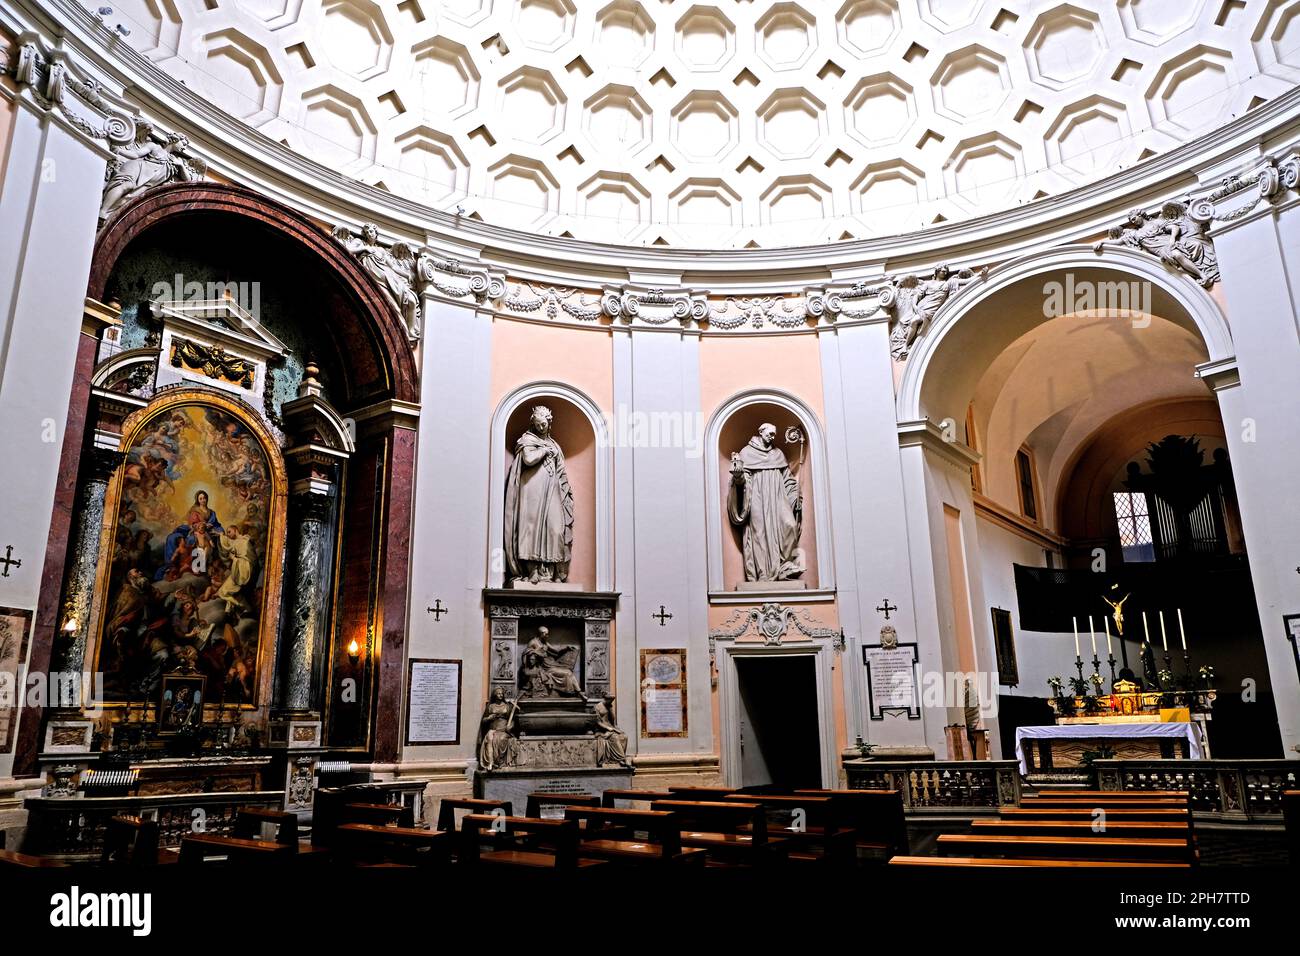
x: 663, y: 616
x: 887, y: 607
x: 438, y: 610
x: 9, y: 559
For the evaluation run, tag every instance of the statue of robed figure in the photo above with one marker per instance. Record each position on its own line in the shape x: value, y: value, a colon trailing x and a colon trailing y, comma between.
x: 539, y: 507
x: 765, y: 501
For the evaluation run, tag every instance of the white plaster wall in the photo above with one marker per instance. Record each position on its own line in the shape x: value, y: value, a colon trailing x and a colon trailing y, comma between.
x: 50, y: 203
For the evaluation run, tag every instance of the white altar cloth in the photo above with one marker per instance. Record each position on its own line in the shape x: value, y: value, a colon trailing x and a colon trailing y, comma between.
x: 1186, y: 730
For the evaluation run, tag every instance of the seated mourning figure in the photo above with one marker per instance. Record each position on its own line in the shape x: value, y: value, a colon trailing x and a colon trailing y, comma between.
x: 548, y: 670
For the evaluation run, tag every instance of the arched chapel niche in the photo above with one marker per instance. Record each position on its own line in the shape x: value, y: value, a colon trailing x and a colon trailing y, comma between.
x: 578, y: 428
x: 214, y: 290
x: 798, y: 436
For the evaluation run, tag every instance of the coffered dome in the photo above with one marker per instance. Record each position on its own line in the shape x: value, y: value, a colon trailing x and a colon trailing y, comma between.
x: 727, y: 123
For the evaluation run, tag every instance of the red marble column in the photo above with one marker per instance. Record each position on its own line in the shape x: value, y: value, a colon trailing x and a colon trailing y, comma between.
x: 393, y: 594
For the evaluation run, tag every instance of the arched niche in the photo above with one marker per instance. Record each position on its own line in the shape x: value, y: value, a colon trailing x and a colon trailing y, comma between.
x: 730, y: 428
x: 579, y: 427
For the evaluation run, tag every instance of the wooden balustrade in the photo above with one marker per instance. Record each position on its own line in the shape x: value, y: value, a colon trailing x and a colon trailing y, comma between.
x: 1219, y: 790
x: 1224, y: 790
x: 941, y: 787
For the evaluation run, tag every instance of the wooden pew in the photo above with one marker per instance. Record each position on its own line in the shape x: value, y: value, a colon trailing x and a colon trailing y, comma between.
x: 1178, y: 814
x: 448, y: 806
x: 380, y: 814
x: 733, y: 833
x: 130, y: 841
x: 252, y: 822
x: 1150, y: 849
x: 199, y: 848
x: 822, y: 837
x: 13, y: 860
x: 1173, y: 829
x: 538, y: 803
x: 610, y: 798
x: 947, y: 862
x: 707, y: 794
x: 525, y: 842
x: 876, y: 815
x: 1107, y: 805
x: 1106, y: 794
x: 1291, y: 815
x: 371, y: 844
x: 616, y: 835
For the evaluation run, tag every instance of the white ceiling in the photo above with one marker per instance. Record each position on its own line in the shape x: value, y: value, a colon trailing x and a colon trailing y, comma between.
x: 728, y: 123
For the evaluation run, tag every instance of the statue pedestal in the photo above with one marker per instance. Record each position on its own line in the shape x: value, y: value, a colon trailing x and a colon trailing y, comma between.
x: 517, y: 783
x: 772, y: 586
x: 521, y: 584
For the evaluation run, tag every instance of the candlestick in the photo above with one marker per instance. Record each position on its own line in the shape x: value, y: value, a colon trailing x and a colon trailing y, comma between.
x: 1181, y: 633
x: 1075, y: 621
x: 1111, y: 661
x: 1164, y: 639
x: 1092, y: 635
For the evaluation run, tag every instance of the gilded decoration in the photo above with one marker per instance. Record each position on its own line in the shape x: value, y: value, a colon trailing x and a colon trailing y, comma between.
x: 214, y: 362
x: 193, y: 533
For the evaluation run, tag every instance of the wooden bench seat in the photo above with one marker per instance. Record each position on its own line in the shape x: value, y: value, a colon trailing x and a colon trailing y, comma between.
x: 610, y: 798
x: 203, y: 847
x: 876, y: 816
x: 522, y: 842
x: 545, y: 804
x: 999, y: 863
x: 1180, y: 814
x: 448, y: 807
x: 1073, y: 847
x: 818, y: 837
x: 634, y: 836
x: 13, y: 860
x: 734, y: 833
x: 381, y: 814
x: 1116, y: 794
x: 700, y: 793
x: 1174, y: 829
x: 372, y: 844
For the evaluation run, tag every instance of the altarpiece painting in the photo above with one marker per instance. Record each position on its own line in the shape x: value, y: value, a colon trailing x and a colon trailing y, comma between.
x: 192, y: 526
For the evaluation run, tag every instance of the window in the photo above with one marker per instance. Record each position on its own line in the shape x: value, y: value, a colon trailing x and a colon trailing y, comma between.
x: 1025, y: 474
x: 1134, y: 526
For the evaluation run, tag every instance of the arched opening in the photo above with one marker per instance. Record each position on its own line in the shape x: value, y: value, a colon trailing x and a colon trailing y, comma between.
x: 216, y: 288
x: 1064, y: 369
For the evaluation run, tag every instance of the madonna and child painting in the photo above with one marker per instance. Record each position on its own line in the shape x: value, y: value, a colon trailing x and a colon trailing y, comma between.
x: 190, y: 540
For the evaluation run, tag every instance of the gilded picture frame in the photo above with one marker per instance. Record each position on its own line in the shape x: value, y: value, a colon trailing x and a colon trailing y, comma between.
x: 277, y: 503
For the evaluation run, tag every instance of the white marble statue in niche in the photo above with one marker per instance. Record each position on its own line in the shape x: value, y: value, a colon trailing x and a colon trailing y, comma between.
x: 539, y: 508
x: 765, y: 501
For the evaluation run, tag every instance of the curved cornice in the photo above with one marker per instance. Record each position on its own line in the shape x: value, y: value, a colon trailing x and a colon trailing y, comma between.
x: 242, y: 154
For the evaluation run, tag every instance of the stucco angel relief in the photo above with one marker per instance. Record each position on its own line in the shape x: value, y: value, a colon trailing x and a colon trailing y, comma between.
x: 396, y: 269
x: 145, y: 164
